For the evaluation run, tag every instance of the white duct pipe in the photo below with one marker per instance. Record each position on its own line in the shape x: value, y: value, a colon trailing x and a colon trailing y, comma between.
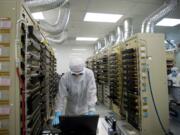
x: 106, y: 42
x: 112, y: 39
x: 60, y: 24
x: 56, y: 29
x: 119, y: 34
x: 103, y: 44
x: 128, y: 29
x: 99, y: 45
x: 95, y: 48
x: 143, y: 27
x: 43, y: 5
x: 150, y: 21
x: 59, y: 39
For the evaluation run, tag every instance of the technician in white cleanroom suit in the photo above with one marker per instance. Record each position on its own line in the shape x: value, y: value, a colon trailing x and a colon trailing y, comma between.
x: 175, y: 78
x: 78, y: 88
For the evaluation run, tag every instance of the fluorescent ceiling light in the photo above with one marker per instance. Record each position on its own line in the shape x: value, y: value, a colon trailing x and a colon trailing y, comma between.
x: 38, y: 16
x: 100, y: 17
x: 76, y: 54
x: 168, y: 22
x: 86, y: 38
x: 75, y: 49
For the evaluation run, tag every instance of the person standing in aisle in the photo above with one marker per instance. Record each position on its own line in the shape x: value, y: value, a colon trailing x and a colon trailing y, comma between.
x: 175, y: 76
x: 77, y: 91
x: 175, y: 89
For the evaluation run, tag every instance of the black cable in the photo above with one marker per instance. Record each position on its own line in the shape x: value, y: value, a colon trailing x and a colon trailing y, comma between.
x: 155, y: 107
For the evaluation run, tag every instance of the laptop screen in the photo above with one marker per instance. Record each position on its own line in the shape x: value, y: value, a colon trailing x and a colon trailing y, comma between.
x: 78, y: 125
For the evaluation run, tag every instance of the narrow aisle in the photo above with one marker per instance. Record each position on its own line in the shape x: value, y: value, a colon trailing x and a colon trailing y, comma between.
x: 102, y: 110
x: 175, y: 126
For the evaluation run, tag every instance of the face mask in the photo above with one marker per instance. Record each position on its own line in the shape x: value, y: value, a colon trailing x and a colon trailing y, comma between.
x: 77, y: 74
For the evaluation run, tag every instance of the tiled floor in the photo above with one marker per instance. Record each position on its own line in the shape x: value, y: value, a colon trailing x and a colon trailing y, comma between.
x: 174, y: 125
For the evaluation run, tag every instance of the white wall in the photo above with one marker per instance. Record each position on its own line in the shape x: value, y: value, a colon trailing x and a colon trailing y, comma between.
x: 64, y: 52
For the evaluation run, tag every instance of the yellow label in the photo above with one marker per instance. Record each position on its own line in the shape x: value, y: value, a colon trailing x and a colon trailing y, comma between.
x: 5, y: 44
x: 4, y: 131
x: 5, y: 19
x: 4, y: 59
x: 4, y: 87
x: 3, y: 31
x: 4, y: 102
x: 4, y: 73
x: 2, y: 117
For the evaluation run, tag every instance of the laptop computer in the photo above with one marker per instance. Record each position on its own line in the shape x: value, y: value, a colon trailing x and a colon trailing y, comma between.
x: 79, y: 125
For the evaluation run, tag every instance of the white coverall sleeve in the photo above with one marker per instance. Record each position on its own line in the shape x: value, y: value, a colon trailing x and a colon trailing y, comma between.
x: 61, y: 95
x: 91, y: 89
x: 178, y: 80
x: 169, y: 77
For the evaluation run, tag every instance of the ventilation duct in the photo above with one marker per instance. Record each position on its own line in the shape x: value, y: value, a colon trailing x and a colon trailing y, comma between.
x: 60, y: 24
x: 128, y: 28
x: 150, y: 21
x: 59, y: 39
x: 96, y: 48
x: 112, y: 38
x: 119, y: 34
x: 55, y: 32
x: 99, y: 45
x: 43, y: 5
x: 105, y: 42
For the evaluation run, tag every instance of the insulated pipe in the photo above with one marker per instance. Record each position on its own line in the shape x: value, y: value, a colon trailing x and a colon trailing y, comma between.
x: 119, y: 34
x: 96, y: 48
x: 105, y: 42
x: 43, y: 5
x: 63, y: 16
x: 128, y: 29
x: 99, y: 45
x: 143, y: 27
x: 60, y: 24
x: 150, y: 21
x: 112, y: 38
x: 59, y: 39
